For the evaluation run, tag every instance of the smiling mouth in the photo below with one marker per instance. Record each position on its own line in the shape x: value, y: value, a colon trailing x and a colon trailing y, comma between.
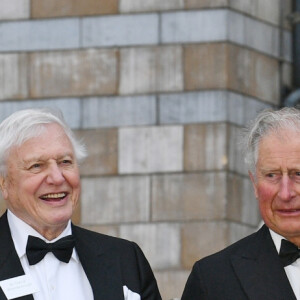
x: 54, y: 196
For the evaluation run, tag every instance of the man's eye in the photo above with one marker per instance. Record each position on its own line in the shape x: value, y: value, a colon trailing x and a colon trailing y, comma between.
x: 270, y: 175
x: 66, y: 162
x: 34, y: 166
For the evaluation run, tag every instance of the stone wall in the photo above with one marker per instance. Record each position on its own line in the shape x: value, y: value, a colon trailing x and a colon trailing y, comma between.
x: 159, y: 91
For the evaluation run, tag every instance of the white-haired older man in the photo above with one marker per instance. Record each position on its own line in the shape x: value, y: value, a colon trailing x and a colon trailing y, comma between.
x: 264, y: 265
x: 42, y: 254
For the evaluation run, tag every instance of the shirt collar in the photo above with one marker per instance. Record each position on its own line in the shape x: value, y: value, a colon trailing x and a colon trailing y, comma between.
x: 21, y: 230
x: 276, y: 239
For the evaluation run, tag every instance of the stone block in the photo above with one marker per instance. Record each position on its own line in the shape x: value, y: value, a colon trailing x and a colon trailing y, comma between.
x: 113, y: 200
x: 205, y: 147
x: 150, y: 149
x: 64, y: 8
x: 104, y: 229
x: 205, y: 66
x: 254, y: 34
x: 119, y: 111
x: 14, y: 9
x: 193, y: 107
x: 195, y: 4
x: 235, y: 151
x: 202, y: 239
x: 189, y: 197
x: 102, y: 148
x: 13, y: 76
x: 77, y: 73
x: 234, y: 67
x: 266, y: 10
x: 171, y: 283
x: 120, y: 30
x: 160, y: 243
x: 194, y: 26
x: 39, y: 35
x: 239, y: 231
x: 151, y: 69
x: 242, y: 206
x: 70, y: 108
x: 127, y: 6
x: 243, y: 109
x: 254, y: 74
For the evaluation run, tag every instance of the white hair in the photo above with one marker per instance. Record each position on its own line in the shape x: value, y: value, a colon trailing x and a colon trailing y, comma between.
x: 28, y: 123
x: 267, y: 122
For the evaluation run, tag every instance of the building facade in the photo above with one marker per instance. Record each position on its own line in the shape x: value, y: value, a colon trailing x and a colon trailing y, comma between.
x: 159, y: 91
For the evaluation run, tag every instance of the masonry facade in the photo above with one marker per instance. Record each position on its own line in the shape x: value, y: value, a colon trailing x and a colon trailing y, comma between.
x: 159, y: 92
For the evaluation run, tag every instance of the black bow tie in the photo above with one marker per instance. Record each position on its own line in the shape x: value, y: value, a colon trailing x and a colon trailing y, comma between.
x: 36, y: 249
x: 288, y: 253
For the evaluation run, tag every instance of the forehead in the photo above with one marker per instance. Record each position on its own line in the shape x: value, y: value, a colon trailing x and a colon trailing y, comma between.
x: 52, y: 141
x: 284, y: 144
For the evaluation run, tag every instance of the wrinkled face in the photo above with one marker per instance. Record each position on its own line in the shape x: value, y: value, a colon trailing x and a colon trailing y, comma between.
x: 42, y: 185
x: 277, y: 182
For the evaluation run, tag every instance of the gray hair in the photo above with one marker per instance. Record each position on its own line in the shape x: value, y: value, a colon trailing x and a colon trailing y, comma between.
x: 28, y: 123
x: 266, y: 122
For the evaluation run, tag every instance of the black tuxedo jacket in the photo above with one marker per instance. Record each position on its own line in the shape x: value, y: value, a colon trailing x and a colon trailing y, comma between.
x: 250, y: 269
x: 109, y: 263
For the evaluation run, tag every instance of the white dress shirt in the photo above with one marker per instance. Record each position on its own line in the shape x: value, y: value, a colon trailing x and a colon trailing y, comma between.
x: 292, y: 271
x: 55, y: 280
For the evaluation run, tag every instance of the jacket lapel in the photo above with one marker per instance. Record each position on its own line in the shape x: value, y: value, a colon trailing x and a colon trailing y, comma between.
x: 259, y: 269
x: 10, y: 265
x: 99, y: 266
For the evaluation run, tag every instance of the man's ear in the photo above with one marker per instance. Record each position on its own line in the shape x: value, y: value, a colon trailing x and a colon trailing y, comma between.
x: 254, y: 183
x: 3, y: 187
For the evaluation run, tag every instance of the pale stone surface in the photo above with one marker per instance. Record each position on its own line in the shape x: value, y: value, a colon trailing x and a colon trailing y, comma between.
x: 205, y: 66
x: 63, y: 8
x: 107, y: 230
x: 242, y: 206
x: 193, y: 107
x: 239, y: 69
x: 235, y: 152
x: 194, y: 4
x: 205, y: 147
x: 119, y: 111
x: 150, y: 149
x: 239, y: 231
x: 189, y: 197
x: 126, y: 6
x: 120, y: 30
x: 69, y: 73
x: 70, y: 108
x: 254, y: 74
x: 202, y: 239
x: 151, y: 69
x: 194, y: 26
x: 39, y: 35
x: 256, y: 35
x: 13, y: 76
x: 171, y: 283
x: 243, y: 109
x: 160, y: 242
x: 102, y: 148
x: 112, y: 200
x: 14, y: 9
x: 267, y: 10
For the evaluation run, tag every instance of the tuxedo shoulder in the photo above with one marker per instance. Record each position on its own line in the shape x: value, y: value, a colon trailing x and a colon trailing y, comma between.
x: 100, y: 239
x: 239, y: 247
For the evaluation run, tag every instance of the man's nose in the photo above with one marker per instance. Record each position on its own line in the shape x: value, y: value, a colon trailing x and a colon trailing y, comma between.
x: 286, y: 189
x: 55, y: 175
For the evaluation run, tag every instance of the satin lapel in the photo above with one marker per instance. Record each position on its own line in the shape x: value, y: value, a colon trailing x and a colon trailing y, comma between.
x: 10, y: 265
x: 101, y: 267
x: 259, y: 270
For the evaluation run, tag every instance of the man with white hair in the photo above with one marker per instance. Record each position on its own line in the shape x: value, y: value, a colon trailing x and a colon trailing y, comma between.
x: 42, y: 254
x: 264, y: 265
